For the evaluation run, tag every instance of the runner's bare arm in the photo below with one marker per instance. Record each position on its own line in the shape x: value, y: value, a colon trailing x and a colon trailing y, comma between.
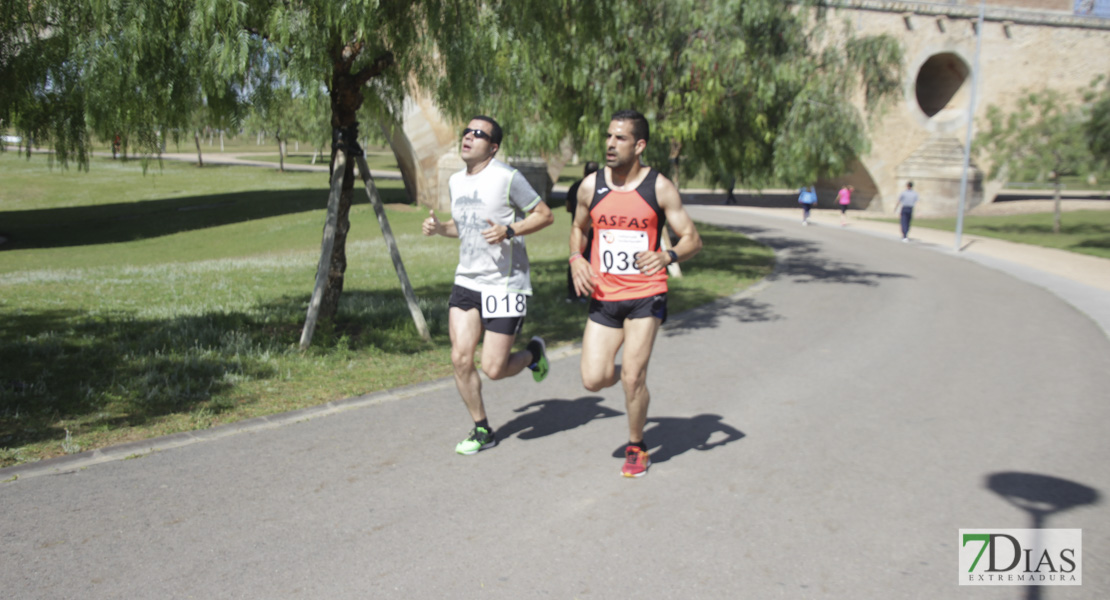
x: 581, y: 273
x: 539, y: 217
x: 689, y: 242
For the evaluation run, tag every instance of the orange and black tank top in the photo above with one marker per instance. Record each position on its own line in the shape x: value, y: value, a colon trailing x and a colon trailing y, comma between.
x: 624, y: 224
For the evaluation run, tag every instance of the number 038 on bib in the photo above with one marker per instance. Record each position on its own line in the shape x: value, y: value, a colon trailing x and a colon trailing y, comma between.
x: 501, y: 304
x: 619, y: 248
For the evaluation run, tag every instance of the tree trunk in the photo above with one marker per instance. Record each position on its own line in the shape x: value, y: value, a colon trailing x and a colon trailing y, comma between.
x: 281, y: 153
x: 196, y: 138
x: 1056, y: 215
x: 346, y: 99
x: 329, y: 305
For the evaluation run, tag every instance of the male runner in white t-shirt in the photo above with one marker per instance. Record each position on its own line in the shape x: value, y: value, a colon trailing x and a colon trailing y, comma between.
x: 492, y: 282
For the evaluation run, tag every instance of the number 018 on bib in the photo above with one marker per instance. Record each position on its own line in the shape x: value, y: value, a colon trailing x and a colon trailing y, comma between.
x: 501, y: 304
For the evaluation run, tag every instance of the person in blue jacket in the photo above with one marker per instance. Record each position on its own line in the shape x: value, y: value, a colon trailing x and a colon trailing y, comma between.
x: 807, y: 198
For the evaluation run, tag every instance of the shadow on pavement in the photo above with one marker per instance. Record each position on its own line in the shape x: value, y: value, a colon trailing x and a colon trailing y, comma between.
x: 802, y: 260
x: 667, y: 437
x: 809, y: 267
x: 1041, y: 496
x: 744, y: 310
x: 547, y: 417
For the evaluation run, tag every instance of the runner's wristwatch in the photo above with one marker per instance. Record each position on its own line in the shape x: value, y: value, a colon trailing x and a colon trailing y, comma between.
x: 509, y: 233
x: 674, y: 256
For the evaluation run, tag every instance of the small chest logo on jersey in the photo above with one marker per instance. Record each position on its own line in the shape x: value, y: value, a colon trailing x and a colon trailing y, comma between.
x: 603, y: 190
x: 1021, y: 557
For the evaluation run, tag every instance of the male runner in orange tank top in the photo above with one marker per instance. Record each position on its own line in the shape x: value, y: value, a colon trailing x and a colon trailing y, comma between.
x: 628, y: 204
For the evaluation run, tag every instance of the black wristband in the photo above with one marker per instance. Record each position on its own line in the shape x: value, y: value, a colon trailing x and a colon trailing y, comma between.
x: 674, y: 256
x: 509, y: 233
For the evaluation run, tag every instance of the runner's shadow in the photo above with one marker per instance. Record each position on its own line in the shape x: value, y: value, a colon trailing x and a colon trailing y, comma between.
x: 554, y: 416
x: 671, y: 436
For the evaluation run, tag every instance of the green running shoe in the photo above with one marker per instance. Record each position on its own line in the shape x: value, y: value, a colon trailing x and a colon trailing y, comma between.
x: 480, y: 438
x: 540, y: 367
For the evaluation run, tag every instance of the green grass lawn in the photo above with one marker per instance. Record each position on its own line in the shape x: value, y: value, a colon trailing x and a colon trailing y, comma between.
x: 134, y: 305
x: 1083, y: 231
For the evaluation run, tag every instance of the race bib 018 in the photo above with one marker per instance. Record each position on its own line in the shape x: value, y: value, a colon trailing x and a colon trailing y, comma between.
x: 619, y: 248
x: 500, y: 304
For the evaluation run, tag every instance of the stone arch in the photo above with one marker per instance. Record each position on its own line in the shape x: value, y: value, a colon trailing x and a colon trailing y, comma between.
x: 939, y: 80
x: 939, y: 91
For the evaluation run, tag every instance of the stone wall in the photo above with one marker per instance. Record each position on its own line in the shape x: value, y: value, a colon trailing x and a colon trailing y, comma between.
x: 1021, y: 50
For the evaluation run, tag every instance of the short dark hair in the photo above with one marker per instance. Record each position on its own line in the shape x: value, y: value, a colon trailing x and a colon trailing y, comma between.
x: 909, y: 184
x: 591, y: 167
x: 640, y: 129
x: 495, y: 131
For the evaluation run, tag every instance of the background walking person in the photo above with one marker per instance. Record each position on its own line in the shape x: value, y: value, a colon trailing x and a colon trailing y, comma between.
x: 844, y: 198
x: 907, y: 200
x: 807, y: 198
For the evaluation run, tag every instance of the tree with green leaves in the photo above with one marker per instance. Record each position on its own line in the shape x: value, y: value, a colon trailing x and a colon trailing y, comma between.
x: 1098, y: 126
x: 759, y: 90
x: 741, y: 87
x: 142, y: 67
x: 1041, y: 139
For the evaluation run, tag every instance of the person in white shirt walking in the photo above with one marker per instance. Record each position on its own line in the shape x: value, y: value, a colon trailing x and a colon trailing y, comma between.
x: 907, y: 200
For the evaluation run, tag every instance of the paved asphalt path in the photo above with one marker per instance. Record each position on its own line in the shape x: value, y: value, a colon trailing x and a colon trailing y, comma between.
x: 823, y: 435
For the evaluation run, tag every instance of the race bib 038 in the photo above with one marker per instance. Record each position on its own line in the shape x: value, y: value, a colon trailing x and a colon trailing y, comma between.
x: 619, y: 248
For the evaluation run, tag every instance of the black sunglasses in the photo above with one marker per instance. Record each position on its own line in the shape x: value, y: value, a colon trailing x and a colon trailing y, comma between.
x: 478, y: 133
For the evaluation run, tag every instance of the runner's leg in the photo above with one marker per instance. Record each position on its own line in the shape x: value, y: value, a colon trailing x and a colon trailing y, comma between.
x: 639, y: 335
x: 465, y: 327
x: 498, y: 362
x: 599, y: 354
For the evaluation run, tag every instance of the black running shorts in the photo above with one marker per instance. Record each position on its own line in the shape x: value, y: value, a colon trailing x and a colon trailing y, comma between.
x: 614, y: 314
x: 468, y: 299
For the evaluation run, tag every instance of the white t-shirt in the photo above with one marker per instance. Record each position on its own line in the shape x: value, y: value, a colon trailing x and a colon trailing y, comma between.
x: 908, y: 198
x: 497, y: 193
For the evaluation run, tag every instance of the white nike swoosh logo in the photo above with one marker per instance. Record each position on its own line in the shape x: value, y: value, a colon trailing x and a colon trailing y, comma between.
x: 603, y: 190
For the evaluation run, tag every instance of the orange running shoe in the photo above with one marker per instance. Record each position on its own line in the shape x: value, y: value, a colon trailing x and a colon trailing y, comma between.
x: 636, y: 462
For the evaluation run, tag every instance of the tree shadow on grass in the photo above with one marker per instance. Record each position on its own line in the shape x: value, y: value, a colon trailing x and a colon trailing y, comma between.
x: 101, y: 370
x: 1034, y: 229
x: 1101, y: 243
x: 130, y: 221
x: 110, y: 371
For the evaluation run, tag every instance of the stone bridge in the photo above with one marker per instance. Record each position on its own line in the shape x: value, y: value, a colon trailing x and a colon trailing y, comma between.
x: 1025, y: 45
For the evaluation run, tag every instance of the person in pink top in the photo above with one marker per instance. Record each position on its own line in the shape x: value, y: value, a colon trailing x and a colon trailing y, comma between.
x: 844, y: 198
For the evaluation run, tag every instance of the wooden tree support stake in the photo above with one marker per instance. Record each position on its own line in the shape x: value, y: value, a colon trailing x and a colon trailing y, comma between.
x: 394, y: 251
x: 325, y: 251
